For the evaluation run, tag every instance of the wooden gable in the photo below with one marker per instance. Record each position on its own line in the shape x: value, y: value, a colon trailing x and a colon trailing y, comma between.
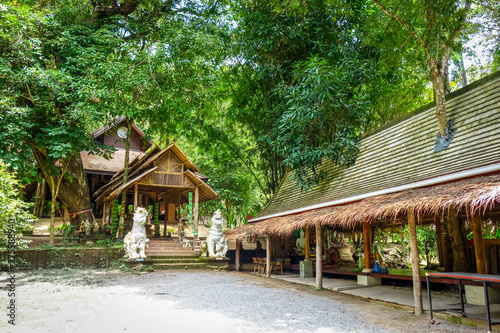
x: 170, y: 172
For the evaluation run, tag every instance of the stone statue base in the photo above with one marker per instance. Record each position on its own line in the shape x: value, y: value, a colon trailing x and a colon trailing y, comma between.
x: 218, y: 263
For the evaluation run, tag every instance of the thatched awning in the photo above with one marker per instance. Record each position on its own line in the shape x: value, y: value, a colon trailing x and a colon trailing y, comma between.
x: 478, y: 195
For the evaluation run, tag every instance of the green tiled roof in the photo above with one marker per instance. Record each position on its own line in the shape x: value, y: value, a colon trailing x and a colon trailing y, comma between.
x: 403, y: 152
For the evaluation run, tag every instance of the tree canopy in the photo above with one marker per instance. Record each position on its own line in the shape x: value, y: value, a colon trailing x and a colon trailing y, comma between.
x: 250, y: 88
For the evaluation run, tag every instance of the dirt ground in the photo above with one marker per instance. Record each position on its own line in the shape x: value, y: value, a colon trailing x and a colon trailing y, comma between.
x: 69, y: 300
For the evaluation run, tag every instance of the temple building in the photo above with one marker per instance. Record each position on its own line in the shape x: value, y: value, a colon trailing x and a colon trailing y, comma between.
x: 160, y: 179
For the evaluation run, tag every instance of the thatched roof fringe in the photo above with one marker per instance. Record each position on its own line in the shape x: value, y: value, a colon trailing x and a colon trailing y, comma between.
x: 478, y: 195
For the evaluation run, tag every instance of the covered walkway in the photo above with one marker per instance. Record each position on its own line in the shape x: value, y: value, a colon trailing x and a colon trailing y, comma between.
x: 401, y: 297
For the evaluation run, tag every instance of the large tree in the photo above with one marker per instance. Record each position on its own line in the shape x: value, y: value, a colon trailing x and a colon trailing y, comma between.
x: 71, y: 65
x: 309, y: 80
x: 435, y: 25
x: 42, y: 107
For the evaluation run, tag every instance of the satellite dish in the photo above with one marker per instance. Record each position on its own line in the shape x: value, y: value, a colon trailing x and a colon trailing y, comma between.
x: 122, y: 132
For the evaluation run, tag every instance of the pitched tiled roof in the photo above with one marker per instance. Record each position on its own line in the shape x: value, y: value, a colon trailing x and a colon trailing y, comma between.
x: 114, y: 124
x: 403, y: 153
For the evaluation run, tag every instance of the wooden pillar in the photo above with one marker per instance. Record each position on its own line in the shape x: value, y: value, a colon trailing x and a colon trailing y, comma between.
x: 237, y: 257
x: 103, y: 222
x: 196, y: 206
x: 439, y: 236
x: 367, y: 237
x: 268, y: 256
x: 477, y: 233
x: 415, y: 263
x: 93, y: 180
x: 307, y: 243
x: 136, y: 196
x: 319, y: 256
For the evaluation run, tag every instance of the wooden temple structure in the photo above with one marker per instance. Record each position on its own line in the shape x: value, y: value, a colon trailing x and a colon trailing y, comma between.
x: 160, y: 179
x: 399, y: 179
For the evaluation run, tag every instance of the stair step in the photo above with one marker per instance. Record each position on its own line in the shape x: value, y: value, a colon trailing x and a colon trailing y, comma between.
x: 166, y: 256
x: 174, y: 260
x: 181, y: 249
x: 171, y: 254
x: 180, y: 265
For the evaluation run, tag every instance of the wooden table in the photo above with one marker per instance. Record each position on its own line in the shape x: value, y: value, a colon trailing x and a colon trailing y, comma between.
x: 484, y: 278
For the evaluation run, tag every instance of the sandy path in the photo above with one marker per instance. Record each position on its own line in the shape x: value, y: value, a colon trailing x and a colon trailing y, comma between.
x: 192, y: 301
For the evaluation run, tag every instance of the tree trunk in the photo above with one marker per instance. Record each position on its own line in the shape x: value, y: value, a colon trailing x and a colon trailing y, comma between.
x: 41, y: 192
x: 52, y: 217
x: 439, y: 240
x: 439, y: 84
x: 477, y: 231
x: 447, y: 250
x: 463, y: 70
x: 460, y: 260
x: 119, y: 232
x: 75, y: 195
x: 74, y: 192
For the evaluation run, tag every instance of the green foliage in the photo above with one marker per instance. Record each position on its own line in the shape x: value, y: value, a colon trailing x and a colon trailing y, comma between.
x: 309, y: 80
x: 324, y: 110
x: 426, y: 240
x: 66, y: 230
x: 253, y: 88
x: 13, y: 210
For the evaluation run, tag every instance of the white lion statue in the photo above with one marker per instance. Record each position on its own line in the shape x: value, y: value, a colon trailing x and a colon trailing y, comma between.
x: 135, y: 241
x: 216, y: 242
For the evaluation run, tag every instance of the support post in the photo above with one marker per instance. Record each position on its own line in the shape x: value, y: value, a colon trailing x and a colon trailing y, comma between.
x: 237, y: 257
x: 307, y: 243
x: 439, y: 236
x: 367, y: 237
x: 319, y: 256
x: 104, y: 225
x: 268, y: 256
x: 196, y: 206
x: 415, y: 263
x: 136, y: 196
x: 477, y: 233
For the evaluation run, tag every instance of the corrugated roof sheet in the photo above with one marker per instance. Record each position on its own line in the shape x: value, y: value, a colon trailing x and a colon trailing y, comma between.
x: 404, y: 152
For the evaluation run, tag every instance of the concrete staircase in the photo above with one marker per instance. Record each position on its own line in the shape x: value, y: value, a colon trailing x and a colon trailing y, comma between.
x: 166, y: 254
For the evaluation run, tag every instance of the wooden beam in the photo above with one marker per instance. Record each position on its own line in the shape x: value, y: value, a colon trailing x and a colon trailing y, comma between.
x: 367, y: 245
x: 319, y: 256
x: 477, y: 234
x: 415, y: 263
x: 268, y: 256
x: 307, y: 243
x: 439, y: 236
x: 237, y: 257
x: 166, y: 186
